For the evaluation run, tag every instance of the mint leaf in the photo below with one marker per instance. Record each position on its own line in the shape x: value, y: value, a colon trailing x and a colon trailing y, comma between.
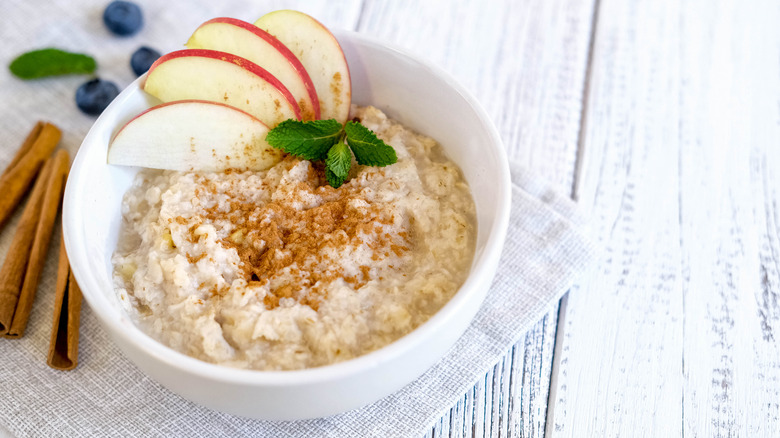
x: 368, y: 149
x: 50, y: 62
x: 339, y: 160
x: 307, y: 140
x: 334, y: 180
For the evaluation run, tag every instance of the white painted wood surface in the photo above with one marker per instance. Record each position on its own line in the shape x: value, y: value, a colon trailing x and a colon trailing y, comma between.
x: 678, y: 331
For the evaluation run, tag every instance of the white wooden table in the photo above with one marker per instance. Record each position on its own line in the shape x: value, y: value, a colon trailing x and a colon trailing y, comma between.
x: 662, y: 117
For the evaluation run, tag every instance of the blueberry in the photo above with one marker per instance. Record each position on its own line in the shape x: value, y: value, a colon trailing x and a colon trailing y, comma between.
x: 94, y: 96
x: 142, y: 59
x: 123, y: 18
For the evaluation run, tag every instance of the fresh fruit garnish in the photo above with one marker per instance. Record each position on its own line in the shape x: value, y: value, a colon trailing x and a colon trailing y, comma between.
x: 123, y: 18
x: 324, y: 140
x: 321, y: 55
x: 51, y: 62
x: 247, y: 70
x: 223, y: 78
x: 254, y: 44
x: 94, y: 96
x: 142, y: 59
x: 194, y: 135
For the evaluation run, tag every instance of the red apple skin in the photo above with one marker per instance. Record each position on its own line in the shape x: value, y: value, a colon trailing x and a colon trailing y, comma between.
x: 281, y: 48
x: 331, y: 79
x: 163, y: 105
x: 233, y: 59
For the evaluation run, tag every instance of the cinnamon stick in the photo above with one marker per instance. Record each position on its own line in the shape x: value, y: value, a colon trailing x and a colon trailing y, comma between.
x: 15, y: 265
x: 37, y: 260
x: 64, y: 341
x: 17, y: 178
x: 28, y: 142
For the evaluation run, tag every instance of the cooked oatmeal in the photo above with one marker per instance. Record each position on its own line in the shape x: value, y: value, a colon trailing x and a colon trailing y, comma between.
x: 276, y: 270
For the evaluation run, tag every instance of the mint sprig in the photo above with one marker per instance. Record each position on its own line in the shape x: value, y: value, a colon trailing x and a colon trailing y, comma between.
x: 308, y: 140
x: 50, y: 62
x: 325, y: 140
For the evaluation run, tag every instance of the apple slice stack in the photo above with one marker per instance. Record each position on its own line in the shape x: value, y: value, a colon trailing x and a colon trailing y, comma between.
x: 232, y: 84
x: 321, y: 55
x: 260, y: 47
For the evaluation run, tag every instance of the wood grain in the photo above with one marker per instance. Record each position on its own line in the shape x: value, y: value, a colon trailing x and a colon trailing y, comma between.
x: 525, y: 62
x: 676, y: 334
x: 730, y: 206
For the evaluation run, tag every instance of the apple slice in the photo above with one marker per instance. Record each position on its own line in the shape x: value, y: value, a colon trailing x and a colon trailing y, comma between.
x: 321, y: 55
x: 250, y: 42
x: 194, y: 135
x: 224, y: 78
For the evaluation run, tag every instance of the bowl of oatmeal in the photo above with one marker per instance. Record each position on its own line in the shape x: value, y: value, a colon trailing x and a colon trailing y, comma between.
x: 271, y: 295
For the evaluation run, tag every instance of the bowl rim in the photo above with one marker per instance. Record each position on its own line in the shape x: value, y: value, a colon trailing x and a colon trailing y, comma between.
x: 481, y: 271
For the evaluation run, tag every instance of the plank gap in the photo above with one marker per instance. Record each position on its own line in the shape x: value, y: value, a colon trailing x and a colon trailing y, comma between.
x: 580, y: 158
x: 361, y: 14
x: 576, y: 178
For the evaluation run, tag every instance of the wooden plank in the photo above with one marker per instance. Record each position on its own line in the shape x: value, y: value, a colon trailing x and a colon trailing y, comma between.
x: 525, y: 62
x: 480, y: 409
x: 618, y: 372
x: 536, y: 376
x: 676, y: 334
x: 730, y: 206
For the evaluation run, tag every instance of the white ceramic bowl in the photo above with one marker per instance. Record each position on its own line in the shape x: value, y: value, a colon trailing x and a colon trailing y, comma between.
x: 408, y: 89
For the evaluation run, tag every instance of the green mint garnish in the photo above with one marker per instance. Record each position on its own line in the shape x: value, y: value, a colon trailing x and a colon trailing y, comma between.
x: 334, y: 180
x: 308, y: 140
x: 51, y: 62
x: 368, y: 150
x: 325, y: 140
x: 339, y: 160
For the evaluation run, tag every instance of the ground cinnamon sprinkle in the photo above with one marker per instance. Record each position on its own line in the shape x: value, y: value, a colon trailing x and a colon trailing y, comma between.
x: 195, y: 259
x: 283, y: 239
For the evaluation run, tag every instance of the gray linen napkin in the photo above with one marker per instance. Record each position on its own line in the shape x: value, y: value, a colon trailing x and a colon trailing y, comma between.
x: 107, y: 395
